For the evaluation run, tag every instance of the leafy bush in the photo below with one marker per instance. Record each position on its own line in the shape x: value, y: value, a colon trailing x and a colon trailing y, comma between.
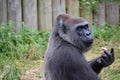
x: 27, y: 44
x: 106, y: 32
x: 93, y: 4
x: 31, y: 44
x: 11, y: 73
x: 15, y: 45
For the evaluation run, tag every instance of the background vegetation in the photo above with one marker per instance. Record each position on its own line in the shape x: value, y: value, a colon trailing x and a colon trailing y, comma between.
x: 21, y: 54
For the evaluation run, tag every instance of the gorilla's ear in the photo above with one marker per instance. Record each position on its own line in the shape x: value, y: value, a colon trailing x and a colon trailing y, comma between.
x: 63, y: 27
x: 60, y: 21
x: 62, y: 18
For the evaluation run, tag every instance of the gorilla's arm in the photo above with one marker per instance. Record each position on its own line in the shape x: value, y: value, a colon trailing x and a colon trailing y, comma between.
x: 103, y: 61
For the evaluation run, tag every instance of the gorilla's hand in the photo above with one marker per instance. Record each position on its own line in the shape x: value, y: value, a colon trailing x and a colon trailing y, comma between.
x: 106, y: 59
x: 103, y: 61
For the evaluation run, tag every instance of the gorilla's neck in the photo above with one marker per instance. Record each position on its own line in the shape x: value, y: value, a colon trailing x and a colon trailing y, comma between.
x: 56, y: 41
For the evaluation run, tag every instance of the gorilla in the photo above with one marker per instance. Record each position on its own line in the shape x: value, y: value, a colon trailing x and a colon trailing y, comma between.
x: 64, y: 59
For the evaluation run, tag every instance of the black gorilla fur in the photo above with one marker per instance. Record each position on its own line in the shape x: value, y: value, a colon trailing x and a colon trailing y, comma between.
x: 64, y: 60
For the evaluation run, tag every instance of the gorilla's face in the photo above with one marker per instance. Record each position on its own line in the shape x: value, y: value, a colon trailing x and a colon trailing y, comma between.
x: 77, y: 31
x: 85, y: 34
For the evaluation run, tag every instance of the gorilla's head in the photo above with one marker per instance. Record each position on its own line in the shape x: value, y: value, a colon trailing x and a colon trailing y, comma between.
x: 75, y: 30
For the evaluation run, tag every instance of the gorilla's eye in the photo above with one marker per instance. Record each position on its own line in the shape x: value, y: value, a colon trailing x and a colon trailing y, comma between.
x: 80, y: 27
x: 86, y: 26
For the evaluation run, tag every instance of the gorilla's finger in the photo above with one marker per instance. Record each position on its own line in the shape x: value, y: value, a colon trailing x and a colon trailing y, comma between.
x: 107, y: 52
x: 106, y: 58
x: 109, y: 55
x: 103, y: 62
x: 112, y: 50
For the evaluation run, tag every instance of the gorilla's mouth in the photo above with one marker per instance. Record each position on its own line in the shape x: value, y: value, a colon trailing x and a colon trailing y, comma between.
x: 88, y: 43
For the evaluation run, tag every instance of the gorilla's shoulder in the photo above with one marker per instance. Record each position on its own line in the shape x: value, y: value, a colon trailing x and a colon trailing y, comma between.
x: 66, y: 49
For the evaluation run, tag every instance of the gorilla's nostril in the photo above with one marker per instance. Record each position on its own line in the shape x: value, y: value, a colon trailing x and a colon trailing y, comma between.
x: 87, y: 34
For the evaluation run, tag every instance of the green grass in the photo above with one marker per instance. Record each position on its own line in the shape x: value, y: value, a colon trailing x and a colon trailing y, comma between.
x: 24, y: 52
x: 26, y: 46
x: 108, y: 37
x: 113, y: 71
x: 106, y: 33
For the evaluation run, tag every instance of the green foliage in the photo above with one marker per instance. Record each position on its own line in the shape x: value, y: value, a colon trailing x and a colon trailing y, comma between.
x: 114, y: 77
x: 11, y: 72
x: 110, y: 1
x: 107, y: 33
x: 28, y: 44
x: 15, y: 45
x: 93, y: 4
x: 6, y: 36
x: 89, y: 5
